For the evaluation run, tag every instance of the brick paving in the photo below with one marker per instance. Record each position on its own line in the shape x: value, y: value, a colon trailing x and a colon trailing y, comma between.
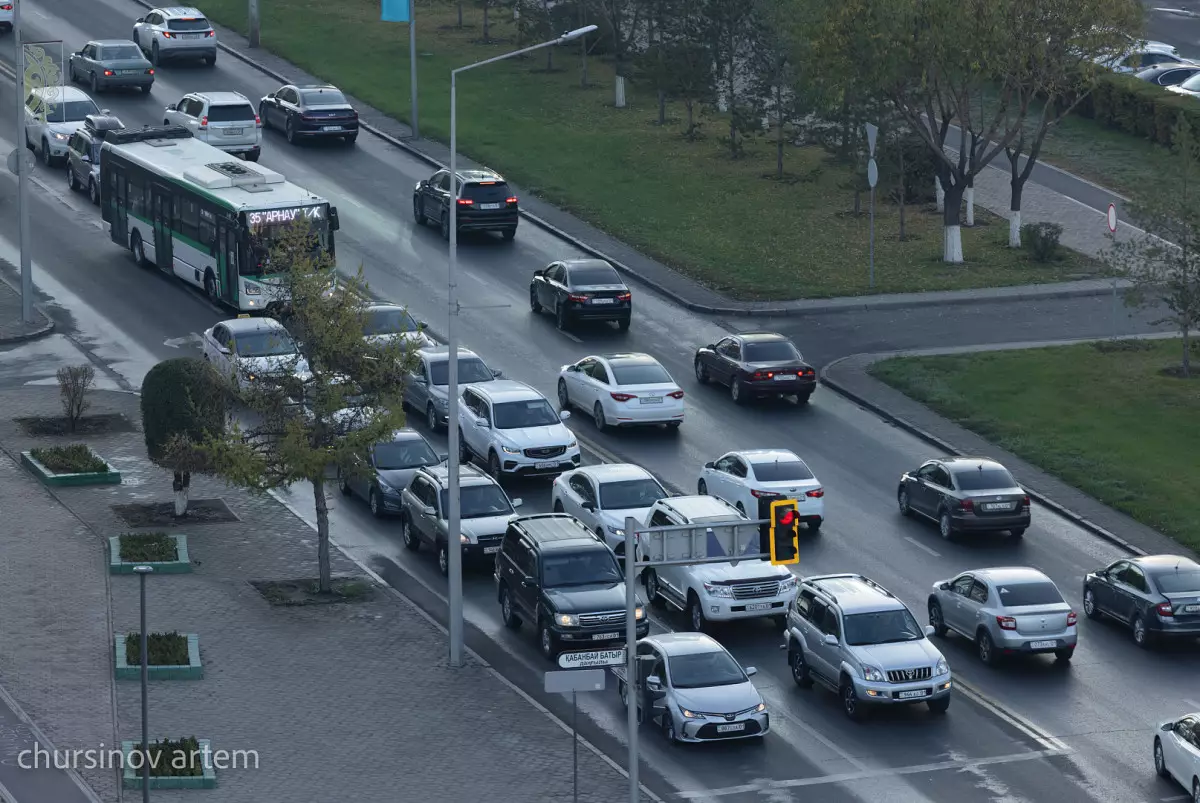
x: 340, y: 702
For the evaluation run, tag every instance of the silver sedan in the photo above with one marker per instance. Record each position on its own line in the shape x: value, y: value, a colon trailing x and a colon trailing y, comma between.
x: 1005, y: 611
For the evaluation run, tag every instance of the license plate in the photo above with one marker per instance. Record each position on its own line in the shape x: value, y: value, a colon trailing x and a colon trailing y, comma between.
x: 491, y: 550
x: 996, y: 506
x: 651, y: 400
x: 489, y: 206
x: 602, y: 301
x: 130, y: 72
x: 1191, y: 608
x: 331, y: 128
x: 232, y: 132
x: 733, y: 728
x: 784, y: 377
x: 759, y: 606
x: 193, y: 36
x: 605, y: 636
x: 1042, y: 645
x: 912, y: 695
x: 545, y: 464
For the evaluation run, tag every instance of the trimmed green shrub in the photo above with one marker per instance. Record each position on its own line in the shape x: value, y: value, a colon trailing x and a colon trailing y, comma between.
x: 174, y: 758
x: 181, y: 396
x: 74, y: 459
x: 1041, y: 239
x: 148, y: 548
x: 1140, y: 108
x: 162, y: 649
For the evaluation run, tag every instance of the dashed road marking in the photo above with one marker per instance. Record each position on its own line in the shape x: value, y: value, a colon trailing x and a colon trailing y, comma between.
x: 922, y: 547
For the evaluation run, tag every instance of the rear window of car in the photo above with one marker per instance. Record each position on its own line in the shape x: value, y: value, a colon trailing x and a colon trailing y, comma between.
x: 582, y: 277
x: 120, y: 52
x: 988, y: 478
x: 237, y: 112
x: 777, y: 351
x: 782, y: 471
x: 1174, y: 582
x: 323, y: 97
x: 643, y: 374
x: 189, y: 24
x: 1015, y: 595
x: 487, y: 193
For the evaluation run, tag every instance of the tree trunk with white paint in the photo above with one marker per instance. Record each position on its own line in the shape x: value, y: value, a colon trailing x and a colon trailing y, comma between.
x: 970, y: 206
x: 620, y: 98
x: 952, y: 251
x: 1014, y: 228
x: 952, y: 244
x: 940, y: 194
x: 182, y: 487
x: 324, y: 575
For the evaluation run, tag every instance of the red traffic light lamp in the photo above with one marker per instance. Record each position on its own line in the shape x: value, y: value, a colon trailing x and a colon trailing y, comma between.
x: 785, y: 531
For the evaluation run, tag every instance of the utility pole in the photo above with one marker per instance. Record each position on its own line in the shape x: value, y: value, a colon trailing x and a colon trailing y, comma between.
x: 22, y: 173
x: 253, y: 18
x: 412, y: 66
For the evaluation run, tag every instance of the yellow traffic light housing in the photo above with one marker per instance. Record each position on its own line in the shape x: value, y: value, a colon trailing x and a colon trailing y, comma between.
x: 785, y: 531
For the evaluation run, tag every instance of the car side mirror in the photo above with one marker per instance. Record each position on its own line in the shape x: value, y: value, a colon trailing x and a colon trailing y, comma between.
x: 518, y: 502
x: 422, y: 326
x: 270, y: 94
x: 422, y: 184
x: 170, y: 107
x: 751, y: 671
x: 654, y: 683
x: 564, y: 415
x: 711, y: 347
x: 140, y: 19
x: 334, y: 221
x: 572, y: 368
x: 480, y: 421
x: 1167, y: 727
x: 529, y: 582
x: 710, y: 464
x: 831, y: 640
x: 497, y: 374
x: 589, y: 506
x: 929, y: 631
x: 85, y: 159
x: 429, y: 511
x: 944, y: 587
x: 224, y: 350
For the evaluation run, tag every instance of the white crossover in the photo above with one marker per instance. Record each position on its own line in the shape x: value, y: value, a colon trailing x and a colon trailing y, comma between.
x: 621, y: 390
x: 1177, y: 753
x: 512, y: 429
x: 603, y: 496
x: 247, y: 349
x: 743, y: 478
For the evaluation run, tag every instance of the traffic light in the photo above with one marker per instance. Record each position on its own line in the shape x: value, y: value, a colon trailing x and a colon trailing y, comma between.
x: 782, y: 531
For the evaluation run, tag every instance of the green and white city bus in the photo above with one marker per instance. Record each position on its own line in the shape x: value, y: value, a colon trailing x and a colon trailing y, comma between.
x: 198, y: 213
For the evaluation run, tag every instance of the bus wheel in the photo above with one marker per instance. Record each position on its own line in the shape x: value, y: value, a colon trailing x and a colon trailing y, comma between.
x: 139, y: 252
x: 210, y: 287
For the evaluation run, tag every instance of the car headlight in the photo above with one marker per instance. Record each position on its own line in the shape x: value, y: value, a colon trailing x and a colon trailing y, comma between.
x: 572, y: 444
x: 718, y: 591
x: 510, y: 450
x: 872, y: 674
x: 617, y: 531
x: 690, y: 714
x: 60, y: 137
x: 250, y: 377
x: 463, y: 538
x: 942, y: 667
x: 568, y: 620
x: 639, y: 613
x: 253, y: 290
x: 383, y: 486
x: 789, y: 584
x: 760, y: 708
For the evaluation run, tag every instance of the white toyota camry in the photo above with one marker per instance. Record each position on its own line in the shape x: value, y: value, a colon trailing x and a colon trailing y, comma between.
x: 602, y: 496
x: 622, y: 390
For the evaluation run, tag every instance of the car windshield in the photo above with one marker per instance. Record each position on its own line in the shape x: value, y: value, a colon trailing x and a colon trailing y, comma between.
x: 774, y: 351
x: 408, y: 453
x: 521, y: 414
x: 193, y: 24
x: 984, y: 479
x: 1192, y: 84
x: 630, y: 494
x: 1177, y: 582
x: 231, y: 113
x: 470, y: 369
x: 323, y: 97
x: 782, y: 471
x: 389, y: 321
x: 640, y: 374
x: 582, y: 277
x: 1019, y: 594
x: 71, y: 111
x: 579, y: 568
x: 881, y: 627
x: 480, y: 501
x: 701, y: 670
x: 124, y: 52
x: 264, y: 344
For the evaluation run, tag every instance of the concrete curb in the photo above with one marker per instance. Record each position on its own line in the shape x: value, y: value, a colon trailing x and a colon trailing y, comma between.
x: 35, y: 334
x: 930, y: 438
x: 739, y: 309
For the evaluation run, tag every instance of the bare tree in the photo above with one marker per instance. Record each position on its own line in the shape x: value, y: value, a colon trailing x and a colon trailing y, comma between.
x: 731, y: 30
x: 624, y: 19
x: 74, y: 382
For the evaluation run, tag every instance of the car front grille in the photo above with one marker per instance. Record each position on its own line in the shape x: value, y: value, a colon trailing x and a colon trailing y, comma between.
x: 489, y: 540
x: 909, y: 675
x: 544, y: 452
x: 756, y: 589
x: 709, y: 731
x: 601, y: 619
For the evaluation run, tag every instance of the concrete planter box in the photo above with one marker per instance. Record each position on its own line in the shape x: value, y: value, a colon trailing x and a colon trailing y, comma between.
x: 192, y: 670
x: 48, y: 477
x: 182, y: 565
x: 132, y: 778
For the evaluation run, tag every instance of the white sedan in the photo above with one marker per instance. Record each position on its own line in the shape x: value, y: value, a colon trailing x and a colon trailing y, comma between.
x: 1177, y: 753
x: 389, y: 323
x: 602, y: 496
x: 247, y: 349
x: 743, y: 478
x: 621, y: 390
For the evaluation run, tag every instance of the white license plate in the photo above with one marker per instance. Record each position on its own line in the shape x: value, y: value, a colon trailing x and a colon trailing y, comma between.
x: 1042, y: 645
x: 651, y: 400
x: 331, y: 128
x: 602, y: 301
x: 130, y: 72
x: 783, y: 377
x: 759, y: 606
x: 605, y: 636
x: 1191, y: 608
x: 232, y: 132
x: 192, y: 36
x: 491, y: 550
x: 734, y: 728
x: 911, y: 695
x: 545, y: 464
x: 996, y: 506
x: 489, y: 206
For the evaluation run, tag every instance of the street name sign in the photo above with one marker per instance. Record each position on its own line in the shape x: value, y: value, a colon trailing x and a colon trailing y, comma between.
x: 591, y: 658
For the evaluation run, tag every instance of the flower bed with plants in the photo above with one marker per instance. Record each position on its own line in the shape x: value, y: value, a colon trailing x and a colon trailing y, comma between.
x: 75, y: 464
x: 166, y: 553
x: 184, y: 763
x: 172, y: 656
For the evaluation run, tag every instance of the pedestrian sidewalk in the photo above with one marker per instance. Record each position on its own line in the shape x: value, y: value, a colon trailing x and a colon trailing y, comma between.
x: 13, y: 329
x: 339, y: 702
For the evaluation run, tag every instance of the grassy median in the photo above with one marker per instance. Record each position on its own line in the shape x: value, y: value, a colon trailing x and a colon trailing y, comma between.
x: 1103, y: 417
x: 685, y: 203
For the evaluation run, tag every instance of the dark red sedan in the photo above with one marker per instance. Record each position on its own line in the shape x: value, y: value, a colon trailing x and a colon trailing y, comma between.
x: 757, y: 365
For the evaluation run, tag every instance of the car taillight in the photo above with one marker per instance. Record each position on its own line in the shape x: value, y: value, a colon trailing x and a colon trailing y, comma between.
x: 676, y: 395
x: 512, y: 199
x: 1006, y: 622
x: 815, y: 493
x: 6, y: 7
x: 966, y: 504
x: 258, y: 121
x: 622, y: 397
x: 758, y: 376
x: 763, y: 494
x: 624, y: 296
x: 804, y: 372
x: 465, y: 202
x: 578, y: 299
x: 1072, y: 619
x: 167, y: 34
x: 150, y: 72
x: 1026, y: 501
x: 1164, y: 609
x: 204, y: 121
x: 211, y: 33
x: 108, y: 72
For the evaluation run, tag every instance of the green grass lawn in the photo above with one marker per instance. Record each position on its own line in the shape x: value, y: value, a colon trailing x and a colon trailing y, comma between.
x: 1106, y: 156
x: 685, y: 203
x: 1102, y: 417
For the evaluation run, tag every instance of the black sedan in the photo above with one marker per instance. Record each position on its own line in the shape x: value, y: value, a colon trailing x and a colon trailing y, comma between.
x: 384, y: 471
x: 757, y: 365
x: 965, y: 494
x: 581, y: 290
x: 1157, y: 596
x: 309, y: 111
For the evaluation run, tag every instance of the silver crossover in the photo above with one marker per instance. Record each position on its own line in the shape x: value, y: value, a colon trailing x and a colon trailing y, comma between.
x: 1005, y: 611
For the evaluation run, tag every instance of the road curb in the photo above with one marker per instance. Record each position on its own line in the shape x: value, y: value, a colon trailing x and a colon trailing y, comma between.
x: 1062, y: 510
x: 741, y: 310
x: 43, y: 330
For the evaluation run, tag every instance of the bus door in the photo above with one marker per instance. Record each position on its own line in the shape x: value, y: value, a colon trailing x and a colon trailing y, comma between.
x: 227, y: 263
x: 161, y: 210
x: 115, y: 196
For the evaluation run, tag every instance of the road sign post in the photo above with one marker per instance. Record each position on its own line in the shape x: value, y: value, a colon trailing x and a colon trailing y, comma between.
x: 1111, y: 220
x: 872, y: 180
x: 575, y: 681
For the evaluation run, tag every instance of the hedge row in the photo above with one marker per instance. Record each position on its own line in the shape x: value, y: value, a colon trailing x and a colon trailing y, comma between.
x: 1140, y: 108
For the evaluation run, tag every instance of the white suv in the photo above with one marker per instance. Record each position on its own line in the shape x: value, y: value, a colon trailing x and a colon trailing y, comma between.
x: 515, y: 432
x: 716, y: 592
x: 225, y: 120
x: 177, y: 32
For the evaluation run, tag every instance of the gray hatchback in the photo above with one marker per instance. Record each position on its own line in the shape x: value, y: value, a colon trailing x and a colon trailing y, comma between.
x: 110, y: 63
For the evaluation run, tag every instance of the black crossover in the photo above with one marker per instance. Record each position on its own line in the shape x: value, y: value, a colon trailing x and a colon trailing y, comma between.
x: 483, y: 200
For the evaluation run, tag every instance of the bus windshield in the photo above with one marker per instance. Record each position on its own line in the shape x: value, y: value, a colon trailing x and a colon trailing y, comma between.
x: 268, y: 228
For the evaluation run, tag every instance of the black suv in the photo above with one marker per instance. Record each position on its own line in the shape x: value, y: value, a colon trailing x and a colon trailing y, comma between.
x: 83, y: 153
x: 485, y: 202
x: 553, y: 571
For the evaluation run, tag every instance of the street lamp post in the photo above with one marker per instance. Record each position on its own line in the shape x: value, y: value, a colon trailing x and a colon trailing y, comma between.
x: 23, y: 170
x: 454, y: 537
x: 141, y: 572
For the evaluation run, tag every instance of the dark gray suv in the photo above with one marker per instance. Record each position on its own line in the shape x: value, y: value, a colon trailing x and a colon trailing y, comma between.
x: 83, y: 153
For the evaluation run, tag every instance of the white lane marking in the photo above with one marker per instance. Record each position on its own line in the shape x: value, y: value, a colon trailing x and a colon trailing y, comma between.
x: 850, y: 777
x: 1020, y: 723
x: 1175, y: 797
x: 186, y: 340
x: 921, y: 546
x: 1195, y: 706
x: 571, y: 336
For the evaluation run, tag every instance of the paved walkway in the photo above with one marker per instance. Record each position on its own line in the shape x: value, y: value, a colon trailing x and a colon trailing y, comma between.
x: 340, y: 702
x: 12, y: 328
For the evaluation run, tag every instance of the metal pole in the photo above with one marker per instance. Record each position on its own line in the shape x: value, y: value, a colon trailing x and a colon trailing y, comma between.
x: 453, y: 536
x: 142, y: 572
x: 252, y: 16
x: 631, y: 657
x: 412, y: 65
x: 1114, y: 309
x: 872, y: 238
x: 26, y: 240
x: 575, y: 745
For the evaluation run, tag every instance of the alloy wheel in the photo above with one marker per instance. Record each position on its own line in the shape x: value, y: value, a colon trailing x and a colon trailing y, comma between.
x: 431, y: 417
x: 1089, y: 604
x: 408, y: 536
x: 598, y: 416
x: 902, y: 499
x: 373, y: 501
x: 936, y: 620
x: 944, y: 526
x: 701, y: 373
x: 652, y: 586
x: 564, y: 398
x: 444, y: 559
x: 1139, y: 631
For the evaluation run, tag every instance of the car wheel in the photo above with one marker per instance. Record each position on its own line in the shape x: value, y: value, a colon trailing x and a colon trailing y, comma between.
x: 289, y: 131
x: 736, y: 392
x: 1016, y: 533
x: 547, y: 642
x: 1064, y: 655
x: 444, y: 559
x: 701, y: 372
x: 72, y: 181
x: 494, y: 467
x: 446, y: 225
x: 814, y: 525
x: 623, y: 324
x: 702, y: 488
x: 1089, y: 604
x: 695, y: 612
x: 409, y: 536
x: 652, y: 586
x: 1160, y: 761
x: 431, y: 418
x: 154, y: 55
x: 1196, y: 790
x: 802, y: 398
x: 464, y: 452
x: 564, y: 398
x: 346, y: 490
x: 375, y: 504
x: 210, y: 60
x: 939, y: 706
x: 902, y: 501
x: 850, y: 703
x: 936, y: 620
x: 94, y: 192
x: 351, y: 138
x: 946, y: 526
x: 210, y: 287
x: 509, y: 233
x: 560, y: 317
x: 558, y: 507
x: 599, y: 417
x: 507, y: 612
x: 418, y: 210
x: 535, y: 306
x: 94, y: 84
x: 668, y: 728
x: 47, y: 157
x: 139, y: 250
x: 800, y: 670
x: 986, y: 648
x: 1141, y: 636
x: 146, y: 89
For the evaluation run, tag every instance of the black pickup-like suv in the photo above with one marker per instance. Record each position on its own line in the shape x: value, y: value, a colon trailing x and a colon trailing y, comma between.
x: 554, y: 572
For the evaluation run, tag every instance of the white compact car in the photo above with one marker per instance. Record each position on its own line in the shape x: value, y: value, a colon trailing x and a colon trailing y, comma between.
x: 225, y: 120
x: 514, y: 431
x: 603, y: 496
x: 52, y: 115
x: 1177, y: 752
x: 621, y: 390
x: 742, y: 478
x: 246, y: 349
x: 390, y: 323
x: 177, y: 32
